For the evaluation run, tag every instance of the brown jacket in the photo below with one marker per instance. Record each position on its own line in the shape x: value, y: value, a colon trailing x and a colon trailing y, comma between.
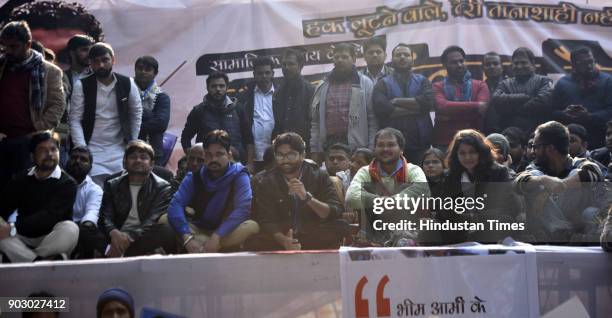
x: 53, y: 99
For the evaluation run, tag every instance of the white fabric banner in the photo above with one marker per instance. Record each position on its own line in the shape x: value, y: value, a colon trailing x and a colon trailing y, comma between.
x: 476, y: 281
x: 191, y: 39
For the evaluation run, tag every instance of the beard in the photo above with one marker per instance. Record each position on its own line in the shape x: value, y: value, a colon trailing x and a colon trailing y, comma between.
x: 47, y: 164
x: 103, y: 73
x: 289, y: 168
x: 541, y: 161
x: 77, y: 172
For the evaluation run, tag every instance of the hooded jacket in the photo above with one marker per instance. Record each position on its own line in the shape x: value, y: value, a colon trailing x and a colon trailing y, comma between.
x: 221, y: 204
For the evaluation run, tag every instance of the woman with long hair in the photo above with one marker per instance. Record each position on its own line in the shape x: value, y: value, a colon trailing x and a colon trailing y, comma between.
x: 475, y: 176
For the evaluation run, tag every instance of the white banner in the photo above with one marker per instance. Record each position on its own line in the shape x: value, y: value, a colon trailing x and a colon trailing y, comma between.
x: 191, y: 39
x: 477, y: 281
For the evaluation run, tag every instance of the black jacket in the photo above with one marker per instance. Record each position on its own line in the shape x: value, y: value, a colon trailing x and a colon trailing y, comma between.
x: 273, y: 204
x: 602, y: 155
x: 500, y: 203
x: 206, y: 117
x: 153, y: 200
x: 523, y: 104
x: 291, y: 107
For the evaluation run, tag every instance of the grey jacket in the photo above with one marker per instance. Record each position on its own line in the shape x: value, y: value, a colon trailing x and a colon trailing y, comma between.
x: 362, y: 120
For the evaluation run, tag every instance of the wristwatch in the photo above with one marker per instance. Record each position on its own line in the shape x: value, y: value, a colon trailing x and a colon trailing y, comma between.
x: 308, y: 197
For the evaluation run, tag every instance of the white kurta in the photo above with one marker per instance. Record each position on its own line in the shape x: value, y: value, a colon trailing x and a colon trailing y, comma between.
x: 106, y: 143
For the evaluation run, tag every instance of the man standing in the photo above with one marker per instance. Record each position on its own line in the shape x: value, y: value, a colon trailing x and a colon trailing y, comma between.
x: 44, y: 196
x: 342, y: 106
x: 461, y: 102
x: 565, y: 196
x: 218, y: 111
x: 492, y: 68
x: 31, y: 98
x: 78, y: 49
x: 105, y: 113
x: 291, y: 101
x: 296, y: 202
x: 256, y: 100
x: 585, y: 96
x: 155, y: 105
x: 374, y: 53
x: 86, y: 207
x: 211, y: 209
x: 132, y: 204
x: 387, y: 175
x: 523, y: 101
x: 403, y: 100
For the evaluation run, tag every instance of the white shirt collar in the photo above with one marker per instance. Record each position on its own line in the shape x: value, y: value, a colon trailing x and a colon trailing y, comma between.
x: 257, y: 90
x: 56, y: 174
x: 86, y: 181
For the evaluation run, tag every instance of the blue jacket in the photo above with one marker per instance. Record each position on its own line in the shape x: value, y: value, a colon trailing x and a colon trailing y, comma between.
x: 210, y: 215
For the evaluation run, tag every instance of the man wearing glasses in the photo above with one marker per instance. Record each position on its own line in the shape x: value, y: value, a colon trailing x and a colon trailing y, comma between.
x: 565, y: 196
x: 211, y: 210
x: 297, y: 206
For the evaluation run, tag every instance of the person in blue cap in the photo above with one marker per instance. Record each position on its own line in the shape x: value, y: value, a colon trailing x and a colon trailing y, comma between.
x: 116, y: 303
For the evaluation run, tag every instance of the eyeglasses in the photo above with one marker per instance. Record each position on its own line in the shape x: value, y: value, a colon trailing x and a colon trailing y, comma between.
x: 289, y: 156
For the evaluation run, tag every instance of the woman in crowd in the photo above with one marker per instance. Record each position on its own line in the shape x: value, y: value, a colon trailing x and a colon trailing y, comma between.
x: 475, y: 176
x: 434, y: 168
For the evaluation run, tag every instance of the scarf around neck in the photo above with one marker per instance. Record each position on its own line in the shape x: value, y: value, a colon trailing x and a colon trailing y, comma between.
x: 400, y: 177
x: 35, y: 65
x: 149, y: 95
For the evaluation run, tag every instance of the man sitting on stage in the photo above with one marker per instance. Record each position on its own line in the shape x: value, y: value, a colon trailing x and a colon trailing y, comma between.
x: 388, y: 175
x: 211, y: 209
x: 296, y: 202
x: 565, y: 196
x: 43, y: 196
x: 132, y: 204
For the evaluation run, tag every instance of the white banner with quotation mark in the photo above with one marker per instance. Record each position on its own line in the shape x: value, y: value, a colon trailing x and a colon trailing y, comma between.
x: 475, y: 281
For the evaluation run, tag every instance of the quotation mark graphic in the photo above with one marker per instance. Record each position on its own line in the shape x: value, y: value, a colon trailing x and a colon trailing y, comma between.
x: 383, y: 305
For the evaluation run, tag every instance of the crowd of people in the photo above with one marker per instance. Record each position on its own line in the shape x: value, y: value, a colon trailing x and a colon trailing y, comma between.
x: 287, y: 165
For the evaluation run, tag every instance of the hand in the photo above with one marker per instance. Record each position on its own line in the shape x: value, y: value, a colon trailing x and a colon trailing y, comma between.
x: 290, y: 243
x: 5, y: 229
x: 482, y: 107
x: 576, y: 111
x: 297, y: 187
x: 552, y: 184
x: 193, y: 247
x: 2, y: 136
x: 114, y: 252
x: 350, y: 217
x: 120, y: 241
x: 213, y: 244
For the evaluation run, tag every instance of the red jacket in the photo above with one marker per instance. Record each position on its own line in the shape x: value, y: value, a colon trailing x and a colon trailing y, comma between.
x: 453, y: 116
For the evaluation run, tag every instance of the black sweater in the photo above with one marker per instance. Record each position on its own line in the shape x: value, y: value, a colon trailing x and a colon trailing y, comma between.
x: 41, y: 203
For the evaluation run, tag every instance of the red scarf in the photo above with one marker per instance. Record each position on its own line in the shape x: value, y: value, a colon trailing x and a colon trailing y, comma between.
x: 400, y: 177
